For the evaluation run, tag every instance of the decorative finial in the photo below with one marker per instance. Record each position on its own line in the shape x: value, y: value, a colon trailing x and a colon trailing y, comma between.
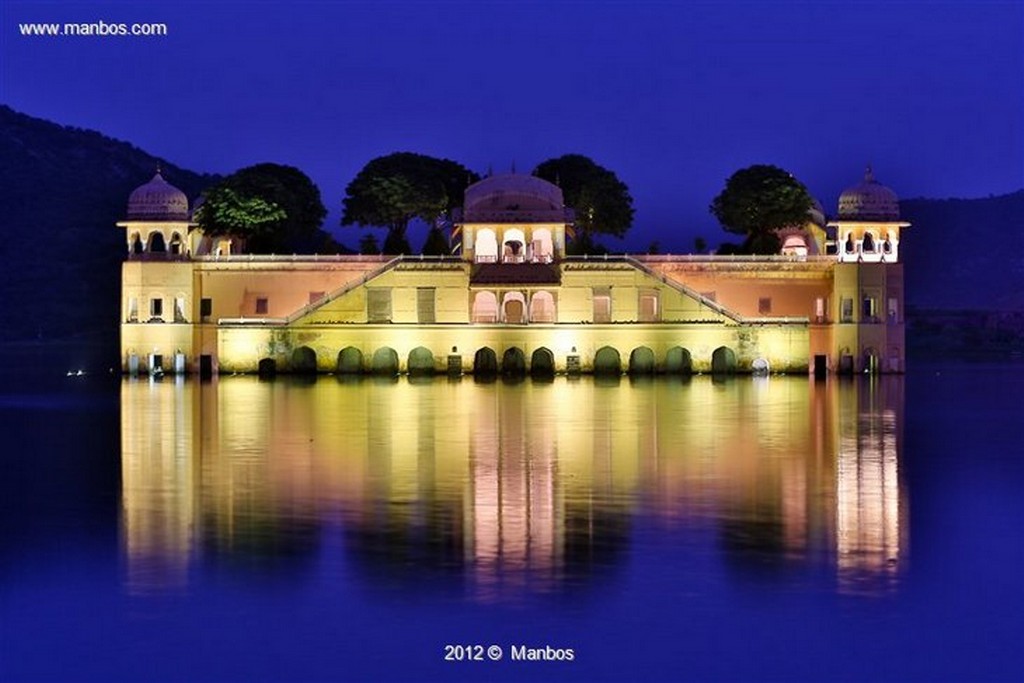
x: 869, y: 176
x: 159, y: 169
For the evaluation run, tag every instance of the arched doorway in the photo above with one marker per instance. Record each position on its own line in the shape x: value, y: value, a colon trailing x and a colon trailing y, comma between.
x: 385, y: 361
x: 513, y: 307
x: 485, y: 362
x: 542, y: 364
x: 267, y: 368
x: 350, y: 361
x: 607, y: 361
x: 421, y: 361
x: 486, y: 249
x: 156, y: 243
x: 303, y: 360
x: 641, y: 361
x: 723, y: 361
x: 678, y: 361
x: 485, y: 307
x: 513, y: 362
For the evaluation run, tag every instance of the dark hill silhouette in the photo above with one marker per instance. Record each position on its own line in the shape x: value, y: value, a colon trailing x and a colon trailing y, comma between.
x: 63, y: 189
x: 965, y: 254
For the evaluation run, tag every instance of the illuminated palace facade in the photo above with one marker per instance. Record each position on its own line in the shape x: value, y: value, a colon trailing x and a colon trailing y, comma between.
x: 511, y: 300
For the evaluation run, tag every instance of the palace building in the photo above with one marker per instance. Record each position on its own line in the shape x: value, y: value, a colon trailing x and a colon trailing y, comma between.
x: 511, y: 300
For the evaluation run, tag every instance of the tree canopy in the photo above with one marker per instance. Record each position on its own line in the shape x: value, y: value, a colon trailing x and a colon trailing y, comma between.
x: 602, y: 202
x: 390, y: 191
x: 759, y: 200
x: 275, y: 208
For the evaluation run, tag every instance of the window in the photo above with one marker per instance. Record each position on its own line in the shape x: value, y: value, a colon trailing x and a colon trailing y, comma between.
x: 133, y: 310
x: 262, y: 305
x: 378, y: 305
x: 648, y: 309
x: 869, y: 312
x: 425, y: 298
x: 179, y: 309
x: 206, y: 307
x: 602, y: 305
x: 764, y: 305
x: 820, y: 310
x: 869, y: 243
x: 156, y: 308
x: 893, y: 309
x: 846, y: 311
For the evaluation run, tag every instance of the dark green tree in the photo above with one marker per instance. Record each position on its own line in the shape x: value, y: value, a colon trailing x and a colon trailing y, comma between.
x: 392, y: 190
x: 275, y: 208
x: 602, y: 202
x: 759, y: 200
x: 436, y: 243
x: 368, y: 244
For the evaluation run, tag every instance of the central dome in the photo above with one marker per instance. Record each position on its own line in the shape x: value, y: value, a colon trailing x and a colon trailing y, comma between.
x: 513, y: 192
x: 157, y: 200
x: 869, y: 201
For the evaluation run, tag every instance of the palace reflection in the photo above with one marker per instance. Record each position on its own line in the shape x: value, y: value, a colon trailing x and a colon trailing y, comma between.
x: 509, y: 489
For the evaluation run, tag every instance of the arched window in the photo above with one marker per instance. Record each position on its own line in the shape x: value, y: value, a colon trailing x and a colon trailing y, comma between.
x: 868, y: 246
x: 136, y: 247
x: 486, y: 250
x: 175, y: 247
x: 157, y: 244
x: 849, y: 247
x: 542, y: 308
x: 485, y: 308
x: 543, y: 251
x: 513, y: 246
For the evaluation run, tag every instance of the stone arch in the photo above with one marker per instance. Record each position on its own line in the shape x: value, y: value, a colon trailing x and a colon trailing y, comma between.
x: 385, y: 361
x: 135, y: 244
x: 761, y: 366
x: 267, y: 367
x: 723, y: 361
x: 641, y: 361
x: 350, y: 361
x: 156, y: 243
x: 542, y: 246
x: 542, y: 307
x: 678, y: 361
x: 485, y: 362
x: 421, y: 361
x: 303, y: 360
x: 849, y: 247
x: 868, y: 243
x: 513, y: 362
x: 513, y: 246
x: 485, y: 307
x: 542, y: 363
x: 486, y: 249
x: 176, y: 245
x: 513, y: 308
x: 607, y: 361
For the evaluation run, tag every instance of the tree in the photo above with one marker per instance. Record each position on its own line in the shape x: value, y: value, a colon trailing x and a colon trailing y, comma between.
x: 436, y: 244
x: 602, y: 202
x: 392, y: 190
x: 275, y: 208
x: 759, y: 200
x: 368, y: 244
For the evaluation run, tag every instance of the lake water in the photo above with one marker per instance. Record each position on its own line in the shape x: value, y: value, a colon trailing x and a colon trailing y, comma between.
x: 749, y: 529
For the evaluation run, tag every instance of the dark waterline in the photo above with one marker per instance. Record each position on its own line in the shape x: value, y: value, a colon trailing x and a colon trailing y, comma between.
x: 746, y: 530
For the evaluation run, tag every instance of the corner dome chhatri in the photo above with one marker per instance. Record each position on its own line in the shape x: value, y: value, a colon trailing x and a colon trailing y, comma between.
x: 869, y: 200
x: 157, y: 200
x: 508, y: 190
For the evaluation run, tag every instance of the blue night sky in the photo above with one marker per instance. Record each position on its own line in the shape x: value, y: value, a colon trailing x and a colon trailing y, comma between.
x: 673, y: 97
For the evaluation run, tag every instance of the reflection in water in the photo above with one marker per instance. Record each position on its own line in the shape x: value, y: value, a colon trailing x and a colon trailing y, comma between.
x: 510, y: 489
